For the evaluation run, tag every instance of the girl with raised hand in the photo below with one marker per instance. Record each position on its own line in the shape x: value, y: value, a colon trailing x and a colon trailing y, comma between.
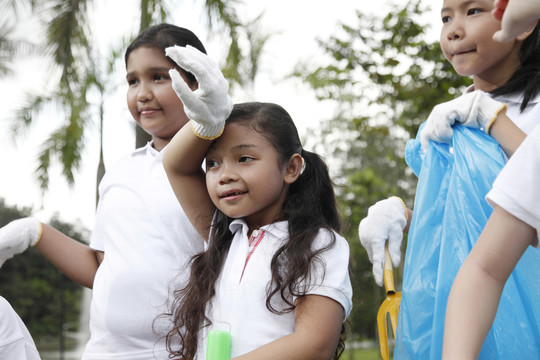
x: 141, y: 238
x: 275, y: 269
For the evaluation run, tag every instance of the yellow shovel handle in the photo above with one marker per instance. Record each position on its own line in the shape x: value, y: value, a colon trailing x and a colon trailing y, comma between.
x: 388, y: 274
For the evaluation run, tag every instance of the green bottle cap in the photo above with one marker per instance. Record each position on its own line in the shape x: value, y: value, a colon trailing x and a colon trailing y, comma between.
x: 218, y: 345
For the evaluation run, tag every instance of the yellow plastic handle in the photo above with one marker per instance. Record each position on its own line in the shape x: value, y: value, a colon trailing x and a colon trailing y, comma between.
x: 388, y: 275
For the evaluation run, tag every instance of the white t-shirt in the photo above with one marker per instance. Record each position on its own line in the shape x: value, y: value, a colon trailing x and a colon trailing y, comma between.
x: 526, y: 120
x: 240, y: 300
x: 147, y: 240
x: 15, y: 340
x: 516, y: 188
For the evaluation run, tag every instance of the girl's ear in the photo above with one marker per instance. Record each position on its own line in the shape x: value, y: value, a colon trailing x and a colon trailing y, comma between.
x: 526, y: 34
x: 293, y: 169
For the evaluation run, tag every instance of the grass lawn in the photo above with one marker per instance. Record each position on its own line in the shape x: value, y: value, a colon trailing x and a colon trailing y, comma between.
x: 361, y: 354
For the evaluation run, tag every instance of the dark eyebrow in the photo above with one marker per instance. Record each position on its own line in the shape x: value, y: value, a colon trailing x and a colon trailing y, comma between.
x: 244, y: 146
x: 158, y: 69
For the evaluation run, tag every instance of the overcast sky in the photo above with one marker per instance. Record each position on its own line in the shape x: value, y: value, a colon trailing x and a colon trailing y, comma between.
x: 295, y: 25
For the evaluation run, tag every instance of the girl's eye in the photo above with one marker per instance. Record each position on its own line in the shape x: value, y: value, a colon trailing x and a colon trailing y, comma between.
x: 474, y: 11
x: 445, y: 19
x: 211, y: 163
x: 132, y: 81
x: 245, y: 159
x: 160, y: 77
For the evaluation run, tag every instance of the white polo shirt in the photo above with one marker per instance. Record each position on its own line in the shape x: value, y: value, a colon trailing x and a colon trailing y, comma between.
x: 15, y: 341
x: 240, y: 300
x: 526, y: 120
x: 147, y: 240
x: 516, y: 188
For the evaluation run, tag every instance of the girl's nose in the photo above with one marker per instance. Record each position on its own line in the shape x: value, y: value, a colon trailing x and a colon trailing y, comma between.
x: 456, y: 31
x: 227, y: 174
x: 144, y: 93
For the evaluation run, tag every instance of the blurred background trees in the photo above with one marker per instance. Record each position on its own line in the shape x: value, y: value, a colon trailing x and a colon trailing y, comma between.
x: 79, y: 69
x: 382, y: 76
x: 45, y: 299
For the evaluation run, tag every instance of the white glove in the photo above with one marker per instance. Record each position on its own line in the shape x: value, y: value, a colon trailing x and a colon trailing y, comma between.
x: 210, y: 105
x: 386, y: 220
x: 17, y: 236
x: 474, y: 109
x: 517, y: 17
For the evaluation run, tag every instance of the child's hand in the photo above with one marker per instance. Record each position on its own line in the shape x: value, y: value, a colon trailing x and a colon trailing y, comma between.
x: 516, y: 17
x: 17, y: 236
x: 209, y: 105
x: 385, y: 221
x: 474, y: 109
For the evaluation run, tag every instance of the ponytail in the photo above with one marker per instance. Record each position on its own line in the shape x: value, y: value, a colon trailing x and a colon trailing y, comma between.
x: 311, y: 197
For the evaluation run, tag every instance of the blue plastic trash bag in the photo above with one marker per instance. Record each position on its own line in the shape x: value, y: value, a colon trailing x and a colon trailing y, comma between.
x: 450, y: 212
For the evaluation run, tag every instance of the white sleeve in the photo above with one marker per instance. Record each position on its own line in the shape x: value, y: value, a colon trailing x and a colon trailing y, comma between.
x: 97, y: 239
x: 330, y: 277
x: 15, y: 340
x: 516, y: 189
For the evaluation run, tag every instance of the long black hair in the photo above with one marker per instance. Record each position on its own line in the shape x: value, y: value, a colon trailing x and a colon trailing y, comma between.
x: 310, y: 206
x: 526, y: 79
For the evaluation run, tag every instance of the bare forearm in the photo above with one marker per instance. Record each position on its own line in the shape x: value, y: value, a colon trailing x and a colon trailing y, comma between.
x: 468, y: 319
x: 318, y: 321
x: 185, y: 153
x: 289, y: 347
x: 507, y: 134
x: 182, y: 161
x: 484, y: 273
x: 78, y: 261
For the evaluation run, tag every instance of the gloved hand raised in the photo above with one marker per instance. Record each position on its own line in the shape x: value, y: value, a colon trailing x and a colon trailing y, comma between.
x: 209, y: 105
x: 385, y: 221
x: 474, y: 109
x: 17, y: 236
x: 517, y: 17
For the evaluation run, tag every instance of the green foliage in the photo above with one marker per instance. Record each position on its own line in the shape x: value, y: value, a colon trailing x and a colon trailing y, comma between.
x: 76, y: 67
x: 384, y: 78
x: 38, y: 292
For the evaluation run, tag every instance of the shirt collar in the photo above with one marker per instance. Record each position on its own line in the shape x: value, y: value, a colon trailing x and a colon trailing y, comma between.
x: 149, y: 147
x: 516, y: 97
x: 278, y: 229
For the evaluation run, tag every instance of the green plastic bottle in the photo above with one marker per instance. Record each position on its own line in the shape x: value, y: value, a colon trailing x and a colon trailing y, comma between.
x: 218, y: 345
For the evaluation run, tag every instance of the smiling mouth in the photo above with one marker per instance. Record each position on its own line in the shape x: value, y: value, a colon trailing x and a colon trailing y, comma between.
x: 463, y: 52
x: 147, y: 112
x: 232, y: 194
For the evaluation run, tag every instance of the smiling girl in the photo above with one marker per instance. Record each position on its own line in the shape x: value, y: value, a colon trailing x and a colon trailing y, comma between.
x: 141, y: 236
x: 275, y: 269
x: 504, y: 101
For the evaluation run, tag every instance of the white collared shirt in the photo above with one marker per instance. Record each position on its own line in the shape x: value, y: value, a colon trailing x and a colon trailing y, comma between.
x: 526, y: 120
x: 147, y: 240
x: 240, y: 300
x: 516, y: 188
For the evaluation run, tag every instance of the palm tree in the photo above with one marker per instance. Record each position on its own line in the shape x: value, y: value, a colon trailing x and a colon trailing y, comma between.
x: 9, y: 46
x: 76, y: 66
x: 68, y: 47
